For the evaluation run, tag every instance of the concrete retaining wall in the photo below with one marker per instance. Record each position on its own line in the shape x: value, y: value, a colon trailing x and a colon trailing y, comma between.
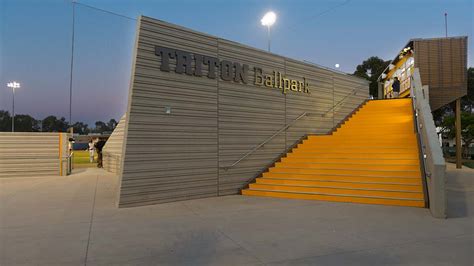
x: 27, y: 153
x: 112, y: 151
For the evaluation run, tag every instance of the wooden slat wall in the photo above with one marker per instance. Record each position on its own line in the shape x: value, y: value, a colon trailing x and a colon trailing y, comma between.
x: 112, y: 151
x: 31, y: 154
x: 443, y: 67
x: 177, y: 156
x: 247, y: 115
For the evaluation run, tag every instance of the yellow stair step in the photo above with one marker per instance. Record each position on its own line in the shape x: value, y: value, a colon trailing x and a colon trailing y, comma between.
x: 342, y: 171
x: 337, y: 198
x: 369, y: 161
x: 341, y: 184
x: 347, y: 166
x: 349, y: 145
x: 354, y: 151
x: 344, y: 178
x: 338, y: 191
x: 341, y: 154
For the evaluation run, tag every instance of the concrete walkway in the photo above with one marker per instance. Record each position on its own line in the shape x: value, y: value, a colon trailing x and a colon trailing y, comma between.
x: 73, y: 221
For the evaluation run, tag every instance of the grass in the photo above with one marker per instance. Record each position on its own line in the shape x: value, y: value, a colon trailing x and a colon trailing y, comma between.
x: 81, y: 159
x: 469, y: 164
x: 466, y: 162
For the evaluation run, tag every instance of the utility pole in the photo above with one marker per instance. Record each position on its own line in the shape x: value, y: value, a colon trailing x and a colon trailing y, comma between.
x: 446, y: 24
x: 72, y: 61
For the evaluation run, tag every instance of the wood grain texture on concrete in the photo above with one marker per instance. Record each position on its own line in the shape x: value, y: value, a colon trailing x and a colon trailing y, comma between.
x: 112, y: 151
x: 24, y: 153
x: 211, y: 123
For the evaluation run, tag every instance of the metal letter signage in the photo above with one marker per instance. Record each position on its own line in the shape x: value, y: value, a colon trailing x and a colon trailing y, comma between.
x: 227, y: 70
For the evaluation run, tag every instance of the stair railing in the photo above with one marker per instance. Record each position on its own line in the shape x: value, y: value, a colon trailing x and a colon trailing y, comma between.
x: 285, y: 127
x: 432, y: 159
x: 353, y: 92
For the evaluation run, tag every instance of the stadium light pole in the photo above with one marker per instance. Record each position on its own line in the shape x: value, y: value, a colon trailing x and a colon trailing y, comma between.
x: 268, y: 20
x: 14, y: 85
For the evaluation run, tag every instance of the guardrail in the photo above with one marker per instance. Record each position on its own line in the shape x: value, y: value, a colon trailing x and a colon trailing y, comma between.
x: 432, y: 161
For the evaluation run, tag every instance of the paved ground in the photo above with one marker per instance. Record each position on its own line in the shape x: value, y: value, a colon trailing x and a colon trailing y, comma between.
x: 72, y: 221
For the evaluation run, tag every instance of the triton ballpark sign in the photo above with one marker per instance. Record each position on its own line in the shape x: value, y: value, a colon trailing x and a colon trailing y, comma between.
x: 211, y: 67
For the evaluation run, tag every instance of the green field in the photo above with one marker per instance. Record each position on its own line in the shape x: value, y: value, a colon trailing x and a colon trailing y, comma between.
x: 81, y: 159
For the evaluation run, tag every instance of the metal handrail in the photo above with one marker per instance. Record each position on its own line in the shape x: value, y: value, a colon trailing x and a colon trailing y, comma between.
x: 353, y: 92
x: 422, y: 147
x: 265, y: 141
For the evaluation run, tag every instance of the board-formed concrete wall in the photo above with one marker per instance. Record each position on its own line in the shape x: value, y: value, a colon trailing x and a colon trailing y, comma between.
x: 182, y: 129
x: 112, y: 151
x: 33, y: 154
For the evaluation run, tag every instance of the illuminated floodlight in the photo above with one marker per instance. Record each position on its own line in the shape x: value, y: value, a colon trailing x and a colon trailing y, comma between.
x: 13, y: 85
x: 269, y: 19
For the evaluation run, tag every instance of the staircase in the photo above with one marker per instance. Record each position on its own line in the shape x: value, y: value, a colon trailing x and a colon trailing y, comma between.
x: 372, y: 158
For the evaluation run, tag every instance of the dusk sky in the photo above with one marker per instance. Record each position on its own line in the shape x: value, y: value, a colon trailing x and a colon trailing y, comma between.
x: 35, y: 41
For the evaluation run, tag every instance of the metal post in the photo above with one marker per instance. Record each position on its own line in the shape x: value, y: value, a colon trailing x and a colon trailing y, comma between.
x: 458, y: 134
x: 13, y: 110
x: 269, y: 38
x: 72, y: 61
x: 446, y: 24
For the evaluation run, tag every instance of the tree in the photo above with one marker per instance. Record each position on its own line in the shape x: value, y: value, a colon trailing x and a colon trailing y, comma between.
x: 81, y: 128
x: 26, y: 123
x: 371, y: 69
x: 53, y: 124
x: 111, y: 124
x: 5, y: 121
x: 100, y: 127
x: 467, y: 129
x: 467, y: 102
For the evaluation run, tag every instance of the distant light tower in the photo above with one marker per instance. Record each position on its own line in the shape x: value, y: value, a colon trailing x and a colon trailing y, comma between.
x: 337, y: 65
x: 14, y: 85
x: 268, y: 20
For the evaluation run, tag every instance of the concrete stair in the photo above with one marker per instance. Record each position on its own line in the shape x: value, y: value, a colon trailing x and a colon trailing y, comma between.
x: 371, y: 158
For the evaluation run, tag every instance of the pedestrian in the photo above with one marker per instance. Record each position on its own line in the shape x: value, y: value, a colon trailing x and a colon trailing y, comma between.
x: 91, y: 149
x: 395, y: 88
x: 98, y: 147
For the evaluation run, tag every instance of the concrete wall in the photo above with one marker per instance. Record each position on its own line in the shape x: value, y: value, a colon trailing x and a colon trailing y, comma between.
x: 112, y: 151
x: 180, y: 155
x: 25, y: 153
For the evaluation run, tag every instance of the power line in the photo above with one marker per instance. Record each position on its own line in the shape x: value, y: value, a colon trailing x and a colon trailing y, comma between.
x: 322, y: 13
x: 103, y: 10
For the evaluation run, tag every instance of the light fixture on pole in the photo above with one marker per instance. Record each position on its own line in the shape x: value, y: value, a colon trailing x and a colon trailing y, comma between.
x: 268, y: 20
x: 14, y: 85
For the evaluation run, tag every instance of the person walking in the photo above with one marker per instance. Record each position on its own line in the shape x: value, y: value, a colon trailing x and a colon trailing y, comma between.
x: 395, y: 88
x: 91, y: 150
x: 98, y: 147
